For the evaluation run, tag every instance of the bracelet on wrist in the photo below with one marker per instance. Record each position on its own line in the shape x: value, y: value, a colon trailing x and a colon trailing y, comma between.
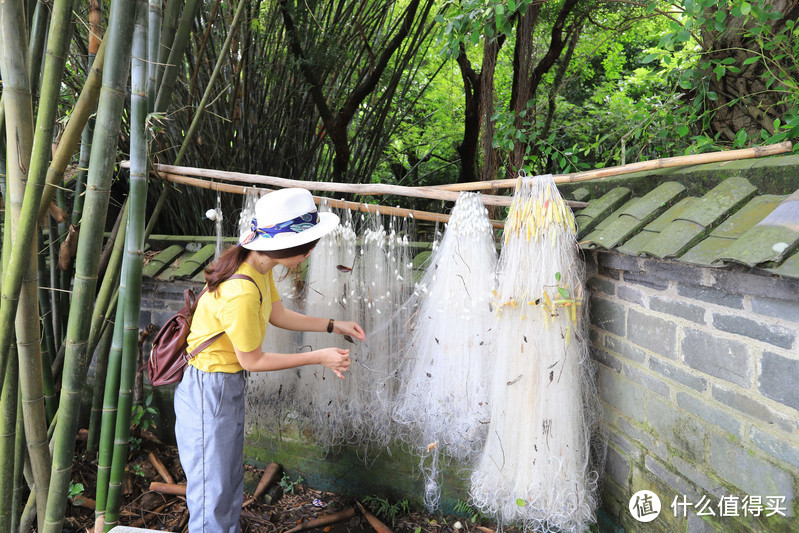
x: 330, y: 326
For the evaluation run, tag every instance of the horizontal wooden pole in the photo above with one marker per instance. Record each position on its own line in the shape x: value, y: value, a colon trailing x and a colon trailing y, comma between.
x: 654, y: 164
x: 339, y: 204
x: 366, y: 189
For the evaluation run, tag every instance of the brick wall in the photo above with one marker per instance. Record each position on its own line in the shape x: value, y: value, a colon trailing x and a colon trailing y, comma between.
x: 698, y: 371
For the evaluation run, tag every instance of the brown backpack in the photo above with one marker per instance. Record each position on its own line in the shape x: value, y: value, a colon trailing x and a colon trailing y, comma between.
x: 168, y: 358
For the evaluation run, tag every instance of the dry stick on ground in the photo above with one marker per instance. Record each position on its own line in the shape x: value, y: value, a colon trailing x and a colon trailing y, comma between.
x: 168, y: 488
x: 375, y: 522
x: 325, y: 520
x: 160, y: 468
x: 270, y: 474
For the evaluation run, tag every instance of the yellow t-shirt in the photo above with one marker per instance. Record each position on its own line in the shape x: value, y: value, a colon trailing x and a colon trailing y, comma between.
x: 233, y: 309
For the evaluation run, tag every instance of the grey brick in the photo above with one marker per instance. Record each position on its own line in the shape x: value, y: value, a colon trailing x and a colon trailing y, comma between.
x: 770, y: 333
x: 652, y: 333
x: 676, y: 427
x: 645, y: 438
x: 678, y: 374
x: 778, y: 379
x: 631, y: 295
x: 697, y: 477
x: 782, y: 309
x: 646, y: 380
x: 700, y: 407
x: 618, y: 261
x: 617, y: 467
x: 694, y: 313
x: 602, y: 285
x: 711, y: 296
x: 744, y: 404
x: 609, y: 273
x: 777, y: 447
x: 606, y: 359
x: 625, y: 349
x: 624, y: 445
x: 678, y: 483
x: 622, y: 394
x: 725, y: 359
x: 608, y: 315
x: 646, y: 280
x: 671, y: 271
x: 697, y: 524
x: 747, y: 471
x: 757, y: 284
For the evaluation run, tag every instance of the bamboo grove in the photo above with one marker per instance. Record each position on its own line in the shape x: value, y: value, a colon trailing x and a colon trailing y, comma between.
x: 86, y: 84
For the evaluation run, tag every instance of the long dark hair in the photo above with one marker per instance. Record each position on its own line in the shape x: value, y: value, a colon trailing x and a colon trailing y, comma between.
x: 231, y: 259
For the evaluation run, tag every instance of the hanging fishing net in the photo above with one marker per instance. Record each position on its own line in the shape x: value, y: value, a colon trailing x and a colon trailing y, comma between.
x: 365, y: 282
x: 536, y: 468
x: 269, y: 397
x: 442, y: 404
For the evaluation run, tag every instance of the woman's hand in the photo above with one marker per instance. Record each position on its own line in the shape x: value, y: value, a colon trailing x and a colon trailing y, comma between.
x: 335, y: 359
x: 349, y: 328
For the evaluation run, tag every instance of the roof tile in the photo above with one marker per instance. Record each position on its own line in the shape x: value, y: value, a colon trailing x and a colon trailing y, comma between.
x: 697, y: 221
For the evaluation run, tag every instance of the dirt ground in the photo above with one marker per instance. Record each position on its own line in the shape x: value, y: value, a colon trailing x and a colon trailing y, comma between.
x: 298, y: 508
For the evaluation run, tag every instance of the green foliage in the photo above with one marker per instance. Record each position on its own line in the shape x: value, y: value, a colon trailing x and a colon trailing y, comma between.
x: 75, y: 489
x: 385, y: 509
x: 144, y: 416
x: 463, y: 508
x: 288, y: 485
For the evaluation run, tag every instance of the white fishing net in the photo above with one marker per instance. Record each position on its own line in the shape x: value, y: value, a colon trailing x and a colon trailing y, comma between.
x: 367, y: 283
x: 442, y: 403
x: 536, y: 469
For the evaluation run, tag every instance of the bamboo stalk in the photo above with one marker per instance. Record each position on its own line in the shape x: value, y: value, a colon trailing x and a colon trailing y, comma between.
x: 340, y: 204
x: 189, y: 135
x: 8, y: 429
x: 103, y: 157
x: 654, y: 164
x: 134, y: 246
x: 100, y: 376
x: 78, y: 119
x: 170, y: 73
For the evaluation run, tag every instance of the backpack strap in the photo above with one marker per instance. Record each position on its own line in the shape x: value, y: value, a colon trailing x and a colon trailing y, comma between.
x: 209, y: 342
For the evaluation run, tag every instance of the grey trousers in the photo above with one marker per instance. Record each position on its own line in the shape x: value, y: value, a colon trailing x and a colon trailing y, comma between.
x: 209, y: 428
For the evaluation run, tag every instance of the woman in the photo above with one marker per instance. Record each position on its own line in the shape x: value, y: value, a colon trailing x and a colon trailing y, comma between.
x: 209, y: 402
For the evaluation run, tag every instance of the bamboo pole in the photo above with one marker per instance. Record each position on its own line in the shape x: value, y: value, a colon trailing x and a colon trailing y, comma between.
x: 375, y: 189
x: 189, y: 135
x: 654, y: 164
x: 339, y: 204
x: 101, y: 170
x: 134, y: 246
x: 78, y: 119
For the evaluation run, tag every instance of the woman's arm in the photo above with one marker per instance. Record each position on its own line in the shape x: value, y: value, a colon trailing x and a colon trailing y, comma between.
x: 335, y: 359
x: 292, y: 320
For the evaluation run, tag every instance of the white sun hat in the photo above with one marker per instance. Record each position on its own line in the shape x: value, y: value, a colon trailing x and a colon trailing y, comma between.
x: 284, y: 219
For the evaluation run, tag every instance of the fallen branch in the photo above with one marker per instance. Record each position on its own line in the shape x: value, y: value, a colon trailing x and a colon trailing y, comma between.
x: 168, y: 488
x: 325, y: 520
x: 160, y: 468
x: 270, y: 474
x: 375, y: 522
